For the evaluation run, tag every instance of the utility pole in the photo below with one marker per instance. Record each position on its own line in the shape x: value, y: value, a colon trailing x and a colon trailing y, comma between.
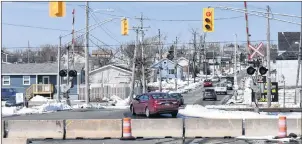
x: 301, y: 63
x: 59, y: 68
x: 175, y: 63
x: 142, y: 30
x: 194, y: 55
x: 87, y: 87
x: 235, y: 68
x: 213, y: 59
x: 200, y: 50
x: 205, y: 55
x: 268, y: 78
x: 133, y: 65
x: 160, y: 58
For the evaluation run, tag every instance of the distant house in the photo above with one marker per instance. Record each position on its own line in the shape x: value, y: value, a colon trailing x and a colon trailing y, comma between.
x: 102, y: 53
x: 185, y: 65
x: 168, y: 69
x: 110, y: 74
x: 37, y: 79
x: 107, y: 81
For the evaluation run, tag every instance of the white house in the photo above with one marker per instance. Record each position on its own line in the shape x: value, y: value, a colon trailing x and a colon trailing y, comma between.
x: 185, y: 63
x: 168, y: 69
x: 110, y: 74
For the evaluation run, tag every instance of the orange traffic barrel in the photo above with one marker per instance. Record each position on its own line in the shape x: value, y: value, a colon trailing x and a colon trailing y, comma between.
x: 282, y: 127
x: 127, y: 134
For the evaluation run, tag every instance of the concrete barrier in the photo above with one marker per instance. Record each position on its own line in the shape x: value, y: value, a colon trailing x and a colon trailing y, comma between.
x: 201, y: 127
x: 2, y: 129
x: 294, y: 126
x: 14, y: 141
x: 39, y: 129
x: 261, y: 127
x: 94, y: 129
x: 157, y: 128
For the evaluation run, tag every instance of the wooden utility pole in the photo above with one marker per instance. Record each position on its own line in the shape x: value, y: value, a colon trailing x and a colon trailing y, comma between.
x: 133, y: 65
x: 194, y: 55
x: 268, y: 78
x: 175, y: 63
x: 160, y: 64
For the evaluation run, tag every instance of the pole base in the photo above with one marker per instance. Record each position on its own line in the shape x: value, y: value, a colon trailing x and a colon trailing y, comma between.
x: 128, y: 138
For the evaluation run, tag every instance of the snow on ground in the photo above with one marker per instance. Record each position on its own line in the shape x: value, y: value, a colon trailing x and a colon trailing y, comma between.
x: 40, y: 98
x: 45, y: 108
x: 114, y: 102
x: 200, y: 111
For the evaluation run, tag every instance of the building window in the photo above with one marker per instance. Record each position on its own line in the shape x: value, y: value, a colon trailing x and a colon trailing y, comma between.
x: 6, y: 80
x: 171, y: 71
x: 26, y: 80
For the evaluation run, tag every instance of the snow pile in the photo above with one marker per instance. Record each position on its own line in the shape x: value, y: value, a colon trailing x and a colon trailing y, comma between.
x: 45, y: 108
x: 114, y: 102
x: 39, y: 98
x: 200, y: 111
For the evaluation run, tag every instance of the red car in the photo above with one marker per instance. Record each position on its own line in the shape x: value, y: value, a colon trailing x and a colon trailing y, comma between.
x: 154, y: 103
x: 207, y: 83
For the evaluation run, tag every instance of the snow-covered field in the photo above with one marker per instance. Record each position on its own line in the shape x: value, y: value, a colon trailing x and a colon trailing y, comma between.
x: 200, y: 111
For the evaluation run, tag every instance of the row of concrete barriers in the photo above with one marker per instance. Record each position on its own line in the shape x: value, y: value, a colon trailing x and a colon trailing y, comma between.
x: 143, y: 128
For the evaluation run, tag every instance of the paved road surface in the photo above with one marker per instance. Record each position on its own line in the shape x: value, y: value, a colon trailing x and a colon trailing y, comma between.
x: 155, y: 141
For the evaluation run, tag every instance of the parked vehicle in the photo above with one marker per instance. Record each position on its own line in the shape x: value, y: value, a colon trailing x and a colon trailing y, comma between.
x: 11, y: 102
x: 209, y: 94
x: 154, y: 103
x: 179, y: 97
x: 215, y: 79
x: 207, y: 83
x: 6, y: 93
x: 229, y: 85
x: 221, y: 89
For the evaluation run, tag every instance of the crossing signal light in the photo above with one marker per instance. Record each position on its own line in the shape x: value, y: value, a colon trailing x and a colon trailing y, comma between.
x: 208, y: 19
x: 124, y: 26
x: 63, y: 73
x: 250, y: 70
x: 72, y: 73
x: 57, y: 9
x: 263, y: 70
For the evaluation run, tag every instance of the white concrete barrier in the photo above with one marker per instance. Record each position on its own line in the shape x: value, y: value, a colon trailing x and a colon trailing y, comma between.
x: 202, y: 127
x: 14, y: 140
x: 261, y: 127
x: 39, y: 129
x: 157, y: 128
x: 93, y: 128
x: 294, y: 126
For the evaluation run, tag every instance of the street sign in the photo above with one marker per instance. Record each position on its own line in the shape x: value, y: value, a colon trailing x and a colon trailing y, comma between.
x: 257, y: 79
x: 256, y: 50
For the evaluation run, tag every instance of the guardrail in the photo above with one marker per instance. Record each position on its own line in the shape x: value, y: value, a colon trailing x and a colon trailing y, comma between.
x: 22, y: 131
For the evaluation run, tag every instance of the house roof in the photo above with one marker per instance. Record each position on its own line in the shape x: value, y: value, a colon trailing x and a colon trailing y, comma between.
x: 35, y: 68
x: 124, y: 69
x: 183, y: 58
x: 153, y: 65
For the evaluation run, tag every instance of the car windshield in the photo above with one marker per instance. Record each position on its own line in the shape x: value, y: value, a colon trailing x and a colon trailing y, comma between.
x: 207, y: 80
x: 161, y: 96
x: 209, y: 90
x: 175, y: 95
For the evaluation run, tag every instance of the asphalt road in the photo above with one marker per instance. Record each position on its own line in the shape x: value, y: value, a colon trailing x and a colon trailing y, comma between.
x: 156, y: 141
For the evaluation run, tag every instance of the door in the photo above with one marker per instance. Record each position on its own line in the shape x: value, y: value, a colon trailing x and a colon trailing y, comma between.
x: 45, y: 79
x: 144, y: 103
x: 136, y: 104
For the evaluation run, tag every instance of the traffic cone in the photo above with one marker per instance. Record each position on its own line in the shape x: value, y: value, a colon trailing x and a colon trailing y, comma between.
x: 127, y: 135
x: 282, y: 127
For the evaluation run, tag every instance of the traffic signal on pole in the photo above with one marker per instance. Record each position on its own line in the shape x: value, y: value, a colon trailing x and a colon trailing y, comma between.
x: 263, y: 70
x: 208, y: 19
x: 57, y: 9
x: 63, y: 73
x: 124, y: 26
x: 250, y: 70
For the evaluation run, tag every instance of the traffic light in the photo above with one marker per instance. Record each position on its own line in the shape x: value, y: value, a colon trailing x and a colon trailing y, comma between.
x: 250, y: 70
x: 57, y: 9
x: 72, y: 73
x: 263, y: 70
x: 124, y: 26
x: 63, y: 73
x: 208, y: 19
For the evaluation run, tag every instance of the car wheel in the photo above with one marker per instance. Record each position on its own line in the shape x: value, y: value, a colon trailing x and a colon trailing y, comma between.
x: 132, y: 110
x: 215, y: 99
x: 147, y: 112
x: 174, y: 114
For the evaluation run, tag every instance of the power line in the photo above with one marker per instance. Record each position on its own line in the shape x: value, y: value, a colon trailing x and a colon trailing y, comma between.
x: 155, y: 43
x: 37, y: 27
